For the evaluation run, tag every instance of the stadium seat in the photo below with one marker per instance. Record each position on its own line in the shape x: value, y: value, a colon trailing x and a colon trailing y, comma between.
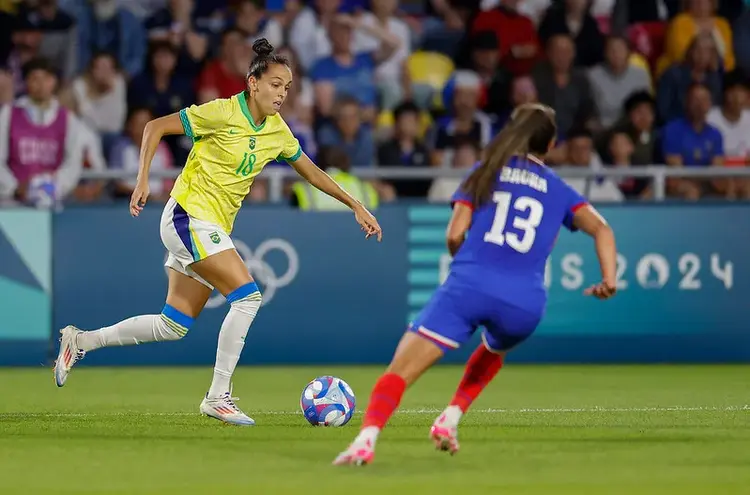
x: 429, y: 70
x: 648, y: 38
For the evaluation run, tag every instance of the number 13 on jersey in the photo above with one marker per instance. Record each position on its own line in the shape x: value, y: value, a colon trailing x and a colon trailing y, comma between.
x: 527, y: 224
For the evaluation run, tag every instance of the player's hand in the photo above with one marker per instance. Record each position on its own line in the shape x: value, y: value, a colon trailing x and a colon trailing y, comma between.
x: 138, y: 198
x: 602, y: 290
x: 367, y: 222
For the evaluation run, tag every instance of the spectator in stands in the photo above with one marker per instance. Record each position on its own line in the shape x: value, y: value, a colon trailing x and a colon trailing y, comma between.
x: 628, y: 12
x: 495, y: 77
x: 103, y: 26
x: 125, y: 156
x: 58, y: 44
x: 565, y: 88
x: 392, y: 78
x: 406, y: 149
x: 742, y: 41
x: 100, y: 97
x: 621, y: 150
x: 615, y: 80
x: 308, y: 35
x: 176, y: 24
x: 7, y: 91
x: 572, y: 18
x: 445, y: 32
x: 580, y: 153
x: 27, y: 40
x: 39, y: 139
x: 732, y: 120
x: 519, y: 43
x: 466, y: 155
x: 225, y: 76
x: 252, y: 20
x: 350, y: 133
x: 522, y: 90
x: 466, y: 120
x: 639, y: 125
x: 345, y: 73
x: 701, y: 65
x: 159, y: 87
x: 699, y: 19
x: 692, y: 142
x: 336, y: 162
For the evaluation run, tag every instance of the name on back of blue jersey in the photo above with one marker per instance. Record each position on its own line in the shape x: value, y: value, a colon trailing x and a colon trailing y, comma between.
x: 524, y: 177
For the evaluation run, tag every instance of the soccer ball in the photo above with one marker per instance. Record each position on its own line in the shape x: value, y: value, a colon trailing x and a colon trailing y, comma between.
x: 327, y: 401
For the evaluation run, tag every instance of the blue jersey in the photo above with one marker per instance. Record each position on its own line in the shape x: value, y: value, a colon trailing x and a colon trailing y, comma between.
x: 512, y: 235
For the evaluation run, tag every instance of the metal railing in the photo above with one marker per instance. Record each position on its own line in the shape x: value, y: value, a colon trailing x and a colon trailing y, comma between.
x: 658, y: 174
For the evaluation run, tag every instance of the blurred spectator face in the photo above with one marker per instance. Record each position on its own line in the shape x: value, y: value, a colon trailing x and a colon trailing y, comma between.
x: 698, y: 103
x: 576, y: 7
x: 510, y: 4
x: 642, y: 117
x: 164, y: 61
x: 465, y: 156
x: 621, y: 147
x: 407, y: 126
x: 40, y: 85
x: 703, y: 53
x: 561, y: 53
x: 384, y: 7
x: 465, y: 100
x: 348, y: 119
x: 617, y: 54
x: 27, y: 42
x: 736, y: 98
x: 249, y: 16
x: 327, y: 7
x: 181, y: 8
x: 580, y: 151
x: 7, y: 90
x: 341, y: 38
x: 137, y: 125
x: 485, y: 52
x: 104, y: 10
x: 523, y: 91
x: 103, y: 72
x: 701, y: 8
x: 235, y: 53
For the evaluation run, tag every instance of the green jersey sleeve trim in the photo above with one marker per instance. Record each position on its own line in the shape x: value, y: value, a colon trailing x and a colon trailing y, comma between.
x: 294, y: 157
x: 186, y: 123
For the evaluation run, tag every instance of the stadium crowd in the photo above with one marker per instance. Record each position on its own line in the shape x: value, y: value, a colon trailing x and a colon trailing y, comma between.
x: 380, y: 83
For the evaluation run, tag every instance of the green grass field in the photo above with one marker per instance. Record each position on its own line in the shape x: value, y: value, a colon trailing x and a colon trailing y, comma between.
x: 536, y: 430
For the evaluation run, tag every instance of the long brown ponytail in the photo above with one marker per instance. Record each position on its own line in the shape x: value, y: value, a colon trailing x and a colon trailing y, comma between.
x: 530, y: 130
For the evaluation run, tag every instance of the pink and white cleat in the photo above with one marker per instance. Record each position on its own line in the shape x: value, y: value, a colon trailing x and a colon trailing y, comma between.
x: 444, y: 435
x: 358, y: 454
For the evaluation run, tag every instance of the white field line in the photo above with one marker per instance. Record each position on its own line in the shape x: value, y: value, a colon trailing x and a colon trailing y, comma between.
x: 548, y: 410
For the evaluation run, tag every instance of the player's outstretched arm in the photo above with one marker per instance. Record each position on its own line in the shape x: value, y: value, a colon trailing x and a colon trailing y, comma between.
x: 154, y: 131
x: 590, y: 221
x: 323, y: 182
x: 457, y: 227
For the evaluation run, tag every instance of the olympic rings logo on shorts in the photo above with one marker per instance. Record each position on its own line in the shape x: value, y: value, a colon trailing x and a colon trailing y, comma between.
x: 263, y: 273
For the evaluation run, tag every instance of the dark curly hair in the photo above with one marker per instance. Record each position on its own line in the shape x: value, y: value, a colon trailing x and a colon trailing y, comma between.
x: 265, y: 57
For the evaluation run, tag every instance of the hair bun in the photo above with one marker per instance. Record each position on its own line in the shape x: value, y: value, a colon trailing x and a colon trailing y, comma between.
x: 262, y: 47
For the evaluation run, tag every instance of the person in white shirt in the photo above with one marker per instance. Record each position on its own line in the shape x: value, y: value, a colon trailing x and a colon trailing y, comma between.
x: 465, y: 156
x: 580, y: 153
x: 125, y: 156
x: 390, y: 74
x: 38, y: 137
x: 733, y: 121
x: 99, y: 97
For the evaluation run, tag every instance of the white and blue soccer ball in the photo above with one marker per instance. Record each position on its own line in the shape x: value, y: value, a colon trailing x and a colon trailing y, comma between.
x: 327, y: 401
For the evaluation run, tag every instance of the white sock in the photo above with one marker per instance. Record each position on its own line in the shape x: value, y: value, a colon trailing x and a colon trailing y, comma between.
x: 453, y: 415
x: 231, y: 341
x: 369, y: 433
x: 133, y: 331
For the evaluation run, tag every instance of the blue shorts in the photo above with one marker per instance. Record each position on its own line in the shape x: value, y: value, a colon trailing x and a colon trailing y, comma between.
x: 454, y: 313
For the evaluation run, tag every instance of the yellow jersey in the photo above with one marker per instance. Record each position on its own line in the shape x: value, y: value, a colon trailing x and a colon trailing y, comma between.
x: 229, y: 151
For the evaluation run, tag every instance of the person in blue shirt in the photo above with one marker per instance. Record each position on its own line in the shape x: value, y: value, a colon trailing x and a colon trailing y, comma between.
x: 693, y: 142
x: 506, y: 218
